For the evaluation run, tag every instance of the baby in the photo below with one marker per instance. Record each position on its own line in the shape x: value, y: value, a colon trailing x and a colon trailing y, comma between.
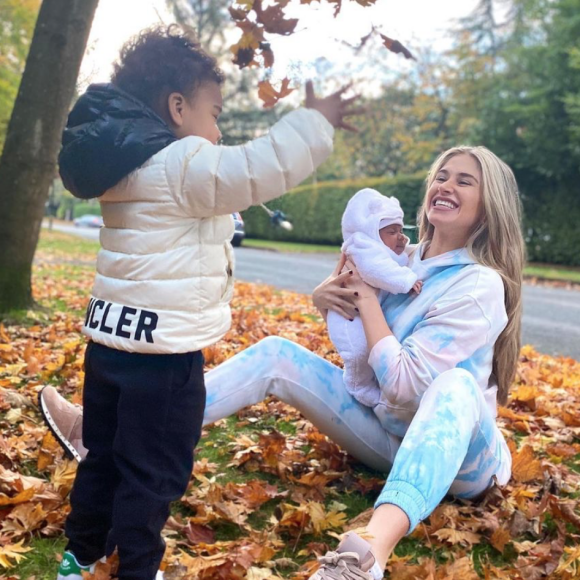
x: 372, y: 228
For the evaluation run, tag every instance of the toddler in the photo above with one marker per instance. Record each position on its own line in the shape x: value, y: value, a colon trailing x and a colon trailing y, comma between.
x: 146, y: 145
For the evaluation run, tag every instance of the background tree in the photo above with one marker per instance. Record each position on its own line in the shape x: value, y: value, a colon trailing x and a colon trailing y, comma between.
x: 408, y: 124
x: 208, y: 19
x: 525, y: 110
x: 17, y: 18
x: 27, y: 165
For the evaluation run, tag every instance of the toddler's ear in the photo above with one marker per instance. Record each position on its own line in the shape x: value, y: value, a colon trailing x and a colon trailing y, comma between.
x: 175, y: 105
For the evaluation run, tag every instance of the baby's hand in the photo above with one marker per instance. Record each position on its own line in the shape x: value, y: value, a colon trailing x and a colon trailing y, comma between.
x: 417, y: 287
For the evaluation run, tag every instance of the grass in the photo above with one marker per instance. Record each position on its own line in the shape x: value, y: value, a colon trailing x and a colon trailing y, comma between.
x: 65, y: 260
x: 41, y: 562
x: 68, y: 245
x: 294, y: 247
x: 60, y: 243
x: 548, y: 272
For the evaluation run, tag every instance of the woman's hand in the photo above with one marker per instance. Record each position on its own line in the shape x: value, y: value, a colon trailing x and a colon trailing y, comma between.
x: 331, y: 294
x: 361, y: 289
x: 368, y: 307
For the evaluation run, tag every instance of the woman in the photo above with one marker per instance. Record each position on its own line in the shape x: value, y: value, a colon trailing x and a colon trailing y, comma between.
x: 442, y: 359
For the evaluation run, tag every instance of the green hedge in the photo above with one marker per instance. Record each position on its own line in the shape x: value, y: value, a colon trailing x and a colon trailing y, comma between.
x: 79, y: 208
x: 83, y: 208
x: 315, y: 210
x: 551, y: 220
x: 551, y: 228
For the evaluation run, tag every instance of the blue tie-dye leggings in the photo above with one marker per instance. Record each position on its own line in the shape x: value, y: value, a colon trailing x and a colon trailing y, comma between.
x: 452, y: 445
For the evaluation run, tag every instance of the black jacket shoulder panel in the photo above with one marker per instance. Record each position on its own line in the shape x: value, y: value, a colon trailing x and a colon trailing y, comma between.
x: 109, y: 134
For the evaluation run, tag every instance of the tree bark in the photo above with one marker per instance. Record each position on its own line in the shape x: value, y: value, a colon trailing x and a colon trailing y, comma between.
x: 28, y: 163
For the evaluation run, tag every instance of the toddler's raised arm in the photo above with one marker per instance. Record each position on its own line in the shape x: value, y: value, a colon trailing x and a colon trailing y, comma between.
x: 213, y: 180
x: 209, y: 180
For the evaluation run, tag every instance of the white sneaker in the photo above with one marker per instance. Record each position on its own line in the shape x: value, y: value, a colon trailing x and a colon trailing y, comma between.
x: 70, y: 569
x: 353, y: 560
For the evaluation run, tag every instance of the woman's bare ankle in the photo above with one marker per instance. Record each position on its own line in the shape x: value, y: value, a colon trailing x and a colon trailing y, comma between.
x: 387, y: 526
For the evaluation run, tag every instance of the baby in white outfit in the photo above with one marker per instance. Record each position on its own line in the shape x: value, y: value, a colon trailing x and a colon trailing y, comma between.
x: 372, y: 230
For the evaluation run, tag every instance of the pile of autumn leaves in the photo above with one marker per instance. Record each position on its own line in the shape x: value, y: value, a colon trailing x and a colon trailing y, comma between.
x: 286, y: 505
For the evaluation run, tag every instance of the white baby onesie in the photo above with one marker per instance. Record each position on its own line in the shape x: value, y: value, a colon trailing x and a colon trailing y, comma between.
x: 380, y: 267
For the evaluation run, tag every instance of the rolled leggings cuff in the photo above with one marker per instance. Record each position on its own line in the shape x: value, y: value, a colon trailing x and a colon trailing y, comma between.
x: 406, y: 497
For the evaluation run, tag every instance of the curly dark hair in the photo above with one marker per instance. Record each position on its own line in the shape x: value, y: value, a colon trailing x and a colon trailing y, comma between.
x: 162, y: 60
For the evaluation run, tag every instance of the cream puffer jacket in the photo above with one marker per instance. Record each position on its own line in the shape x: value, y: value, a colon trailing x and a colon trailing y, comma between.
x: 165, y: 271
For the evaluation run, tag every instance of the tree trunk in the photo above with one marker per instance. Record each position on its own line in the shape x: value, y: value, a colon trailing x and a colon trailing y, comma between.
x: 28, y: 163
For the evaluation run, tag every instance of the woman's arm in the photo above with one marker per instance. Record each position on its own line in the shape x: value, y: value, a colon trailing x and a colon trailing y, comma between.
x: 331, y: 293
x: 369, y: 308
x: 373, y: 319
x: 467, y: 319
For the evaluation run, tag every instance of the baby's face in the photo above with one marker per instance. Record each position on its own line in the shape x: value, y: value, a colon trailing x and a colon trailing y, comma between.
x: 394, y: 238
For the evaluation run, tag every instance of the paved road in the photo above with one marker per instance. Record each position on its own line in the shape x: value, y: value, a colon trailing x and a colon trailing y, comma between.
x: 551, y: 320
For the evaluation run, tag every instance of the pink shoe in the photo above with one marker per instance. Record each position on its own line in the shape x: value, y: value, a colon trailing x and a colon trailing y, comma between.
x: 353, y: 560
x: 64, y: 420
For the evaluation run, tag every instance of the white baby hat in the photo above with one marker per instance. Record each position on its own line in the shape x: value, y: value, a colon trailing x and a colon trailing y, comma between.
x: 368, y: 211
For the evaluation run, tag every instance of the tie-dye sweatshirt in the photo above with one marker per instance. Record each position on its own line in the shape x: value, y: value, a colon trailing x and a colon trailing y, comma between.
x: 453, y: 322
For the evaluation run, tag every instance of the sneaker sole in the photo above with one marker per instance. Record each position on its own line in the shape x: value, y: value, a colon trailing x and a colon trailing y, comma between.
x: 69, y: 450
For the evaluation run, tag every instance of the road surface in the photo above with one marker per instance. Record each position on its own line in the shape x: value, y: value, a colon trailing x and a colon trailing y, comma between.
x: 551, y: 320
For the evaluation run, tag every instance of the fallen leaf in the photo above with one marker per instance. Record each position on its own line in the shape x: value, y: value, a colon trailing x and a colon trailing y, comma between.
x: 453, y: 536
x: 499, y: 539
x: 526, y: 467
x: 15, y: 552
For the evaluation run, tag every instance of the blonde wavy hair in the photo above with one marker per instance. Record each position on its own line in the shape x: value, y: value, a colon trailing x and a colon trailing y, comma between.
x: 496, y: 242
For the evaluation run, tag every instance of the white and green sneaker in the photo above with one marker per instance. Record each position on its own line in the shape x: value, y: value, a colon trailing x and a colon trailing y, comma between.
x: 70, y: 569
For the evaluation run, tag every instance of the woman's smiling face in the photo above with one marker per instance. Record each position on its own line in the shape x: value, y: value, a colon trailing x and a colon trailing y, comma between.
x: 455, y: 198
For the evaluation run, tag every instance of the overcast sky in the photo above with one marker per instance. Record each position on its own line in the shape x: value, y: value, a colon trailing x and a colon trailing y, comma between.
x: 414, y: 22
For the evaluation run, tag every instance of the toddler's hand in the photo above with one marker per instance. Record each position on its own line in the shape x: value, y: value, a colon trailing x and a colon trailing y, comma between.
x: 334, y: 107
x: 417, y: 287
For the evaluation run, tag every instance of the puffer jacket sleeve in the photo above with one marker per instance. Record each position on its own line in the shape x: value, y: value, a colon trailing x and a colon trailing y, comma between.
x: 209, y: 180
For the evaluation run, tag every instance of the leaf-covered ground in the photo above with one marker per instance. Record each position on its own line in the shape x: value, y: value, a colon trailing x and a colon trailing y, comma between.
x: 269, y: 493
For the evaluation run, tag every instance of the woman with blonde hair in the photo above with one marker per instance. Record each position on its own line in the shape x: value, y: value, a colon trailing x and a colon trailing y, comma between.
x: 443, y: 359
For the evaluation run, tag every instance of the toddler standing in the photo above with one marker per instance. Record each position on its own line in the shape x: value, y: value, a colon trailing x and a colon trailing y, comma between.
x: 146, y: 146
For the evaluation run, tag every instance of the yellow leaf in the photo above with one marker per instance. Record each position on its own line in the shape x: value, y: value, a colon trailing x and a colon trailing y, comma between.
x: 64, y: 475
x: 525, y: 466
x: 47, y: 451
x: 13, y: 416
x: 21, y: 497
x: 12, y: 552
x: 255, y: 573
x: 453, y: 536
x: 500, y: 538
x: 322, y: 520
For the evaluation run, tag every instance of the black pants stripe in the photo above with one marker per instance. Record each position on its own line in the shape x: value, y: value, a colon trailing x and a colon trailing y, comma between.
x: 142, y: 421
